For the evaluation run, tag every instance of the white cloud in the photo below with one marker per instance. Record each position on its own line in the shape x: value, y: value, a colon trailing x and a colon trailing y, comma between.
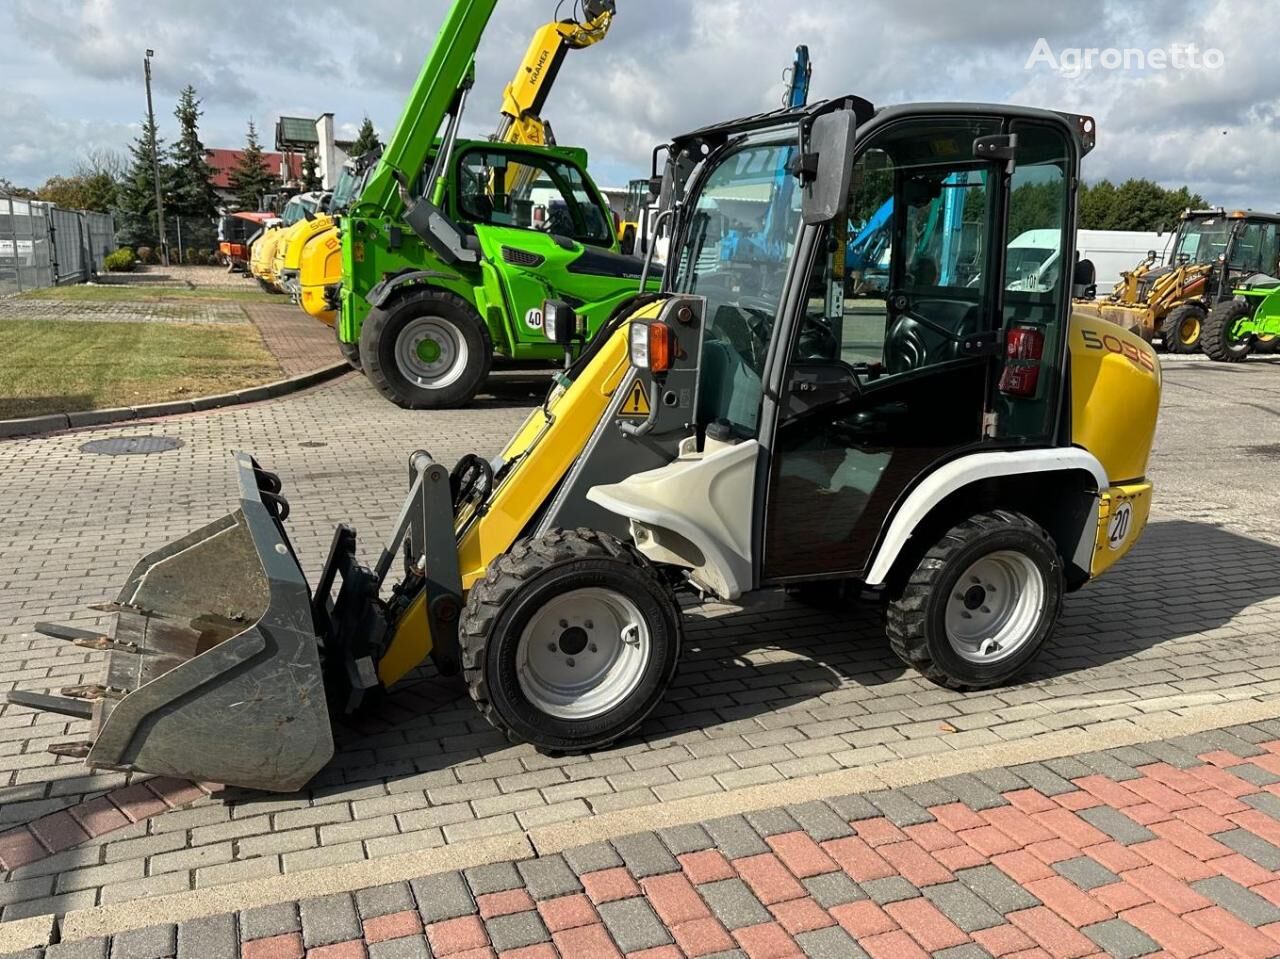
x: 668, y: 66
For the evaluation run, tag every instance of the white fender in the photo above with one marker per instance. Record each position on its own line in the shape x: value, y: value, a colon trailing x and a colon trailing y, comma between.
x: 972, y: 469
x: 706, y: 500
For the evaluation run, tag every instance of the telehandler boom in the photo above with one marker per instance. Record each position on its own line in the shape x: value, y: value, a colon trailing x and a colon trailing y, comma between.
x: 967, y: 448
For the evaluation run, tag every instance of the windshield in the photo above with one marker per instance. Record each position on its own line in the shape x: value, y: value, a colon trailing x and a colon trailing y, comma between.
x: 738, y: 238
x: 1202, y: 241
x: 343, y: 191
x: 294, y: 211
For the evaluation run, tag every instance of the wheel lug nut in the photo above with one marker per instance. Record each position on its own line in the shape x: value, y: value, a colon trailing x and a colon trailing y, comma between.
x: 551, y: 647
x: 595, y: 648
x: 987, y: 610
x: 590, y: 625
x: 564, y: 624
x: 570, y: 662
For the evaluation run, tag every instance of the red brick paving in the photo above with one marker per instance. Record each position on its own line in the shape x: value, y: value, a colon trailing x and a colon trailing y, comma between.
x: 1024, y: 841
x: 277, y: 947
x: 299, y: 342
x: 395, y: 926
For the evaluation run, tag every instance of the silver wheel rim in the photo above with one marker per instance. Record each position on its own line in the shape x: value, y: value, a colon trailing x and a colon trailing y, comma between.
x: 995, y: 607
x: 431, y: 352
x: 583, y: 653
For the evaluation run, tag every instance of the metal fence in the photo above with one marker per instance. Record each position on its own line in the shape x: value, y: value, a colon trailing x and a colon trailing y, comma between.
x: 44, y: 245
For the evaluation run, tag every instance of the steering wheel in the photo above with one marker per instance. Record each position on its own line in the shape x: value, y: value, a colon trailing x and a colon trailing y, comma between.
x: 900, y: 303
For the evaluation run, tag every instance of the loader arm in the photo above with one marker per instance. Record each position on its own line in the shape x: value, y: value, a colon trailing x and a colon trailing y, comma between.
x: 526, y: 95
x: 434, y: 95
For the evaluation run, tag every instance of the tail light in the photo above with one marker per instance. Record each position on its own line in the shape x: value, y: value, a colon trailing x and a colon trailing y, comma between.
x: 1023, y: 351
x: 651, y: 347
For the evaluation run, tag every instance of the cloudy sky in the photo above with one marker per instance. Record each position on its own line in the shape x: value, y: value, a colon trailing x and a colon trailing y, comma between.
x: 73, y: 72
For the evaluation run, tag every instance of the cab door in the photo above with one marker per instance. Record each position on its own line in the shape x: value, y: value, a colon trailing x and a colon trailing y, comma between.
x: 890, y: 364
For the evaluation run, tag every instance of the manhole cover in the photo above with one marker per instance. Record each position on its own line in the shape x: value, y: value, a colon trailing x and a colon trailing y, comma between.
x: 313, y: 445
x: 132, y: 445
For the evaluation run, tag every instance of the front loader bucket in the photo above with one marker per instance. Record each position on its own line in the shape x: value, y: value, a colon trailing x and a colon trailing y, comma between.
x: 213, y: 669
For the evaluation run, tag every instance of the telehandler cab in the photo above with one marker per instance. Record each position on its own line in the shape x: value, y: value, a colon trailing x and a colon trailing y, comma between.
x: 970, y: 451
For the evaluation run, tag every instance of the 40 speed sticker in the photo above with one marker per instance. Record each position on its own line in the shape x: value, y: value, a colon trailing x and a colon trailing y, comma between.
x: 533, y: 319
x: 1120, y: 525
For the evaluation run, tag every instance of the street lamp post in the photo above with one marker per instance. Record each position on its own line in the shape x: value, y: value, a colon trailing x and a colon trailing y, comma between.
x: 155, y: 161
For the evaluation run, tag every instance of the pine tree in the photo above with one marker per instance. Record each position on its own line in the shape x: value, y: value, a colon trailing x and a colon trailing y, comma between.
x: 366, y: 140
x: 193, y: 193
x: 251, y: 179
x: 311, y: 172
x: 136, y: 213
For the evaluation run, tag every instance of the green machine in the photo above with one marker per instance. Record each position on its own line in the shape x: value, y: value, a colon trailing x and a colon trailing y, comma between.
x: 1248, y: 323
x: 454, y: 245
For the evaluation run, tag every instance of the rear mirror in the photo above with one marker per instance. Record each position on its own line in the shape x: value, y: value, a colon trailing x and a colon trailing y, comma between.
x: 1084, y: 281
x: 830, y: 142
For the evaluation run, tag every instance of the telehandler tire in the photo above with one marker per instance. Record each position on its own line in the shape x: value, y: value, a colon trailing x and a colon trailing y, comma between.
x: 350, y: 351
x: 1218, y: 344
x: 426, y: 350
x: 268, y: 287
x: 980, y: 604
x: 570, y: 641
x: 1183, y: 328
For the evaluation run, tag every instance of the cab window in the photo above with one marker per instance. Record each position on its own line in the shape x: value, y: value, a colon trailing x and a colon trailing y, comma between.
x: 527, y: 192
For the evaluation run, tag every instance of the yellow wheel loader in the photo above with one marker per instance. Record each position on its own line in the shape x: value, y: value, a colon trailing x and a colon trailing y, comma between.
x: 958, y: 443
x: 266, y: 250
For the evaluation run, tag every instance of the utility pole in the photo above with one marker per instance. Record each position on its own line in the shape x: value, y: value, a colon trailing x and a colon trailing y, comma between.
x: 155, y: 161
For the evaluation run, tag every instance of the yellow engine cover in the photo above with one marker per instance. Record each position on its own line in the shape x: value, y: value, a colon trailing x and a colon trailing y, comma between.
x: 1115, y: 396
x: 264, y: 253
x: 301, y: 235
x: 321, y: 268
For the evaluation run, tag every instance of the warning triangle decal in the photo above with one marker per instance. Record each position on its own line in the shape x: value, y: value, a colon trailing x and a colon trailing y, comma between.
x: 636, y: 405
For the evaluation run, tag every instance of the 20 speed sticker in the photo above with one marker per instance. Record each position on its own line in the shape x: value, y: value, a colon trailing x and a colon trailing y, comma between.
x: 1120, y: 525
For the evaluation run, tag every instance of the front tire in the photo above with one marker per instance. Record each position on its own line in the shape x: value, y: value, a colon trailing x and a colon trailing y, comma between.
x: 426, y: 350
x: 1183, y: 327
x: 570, y: 641
x: 1220, y: 341
x: 980, y: 604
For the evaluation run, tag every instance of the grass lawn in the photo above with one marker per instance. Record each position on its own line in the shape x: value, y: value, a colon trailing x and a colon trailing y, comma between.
x: 146, y: 293
x: 63, y: 366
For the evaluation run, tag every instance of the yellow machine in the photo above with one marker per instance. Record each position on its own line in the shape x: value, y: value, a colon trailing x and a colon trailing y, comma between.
x: 972, y: 451
x: 1211, y: 251
x: 523, y: 100
x: 264, y: 258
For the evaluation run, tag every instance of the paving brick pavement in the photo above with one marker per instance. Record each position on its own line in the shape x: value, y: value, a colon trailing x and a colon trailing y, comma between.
x: 1137, y: 856
x: 301, y: 343
x: 767, y: 693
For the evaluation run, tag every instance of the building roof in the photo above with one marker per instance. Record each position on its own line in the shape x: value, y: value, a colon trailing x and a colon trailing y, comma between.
x: 224, y: 161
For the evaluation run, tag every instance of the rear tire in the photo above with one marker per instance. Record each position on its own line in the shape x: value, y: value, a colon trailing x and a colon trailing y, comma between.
x: 426, y: 350
x: 1218, y: 343
x: 570, y: 641
x: 980, y: 604
x: 1182, y: 328
x: 350, y: 351
x: 267, y: 287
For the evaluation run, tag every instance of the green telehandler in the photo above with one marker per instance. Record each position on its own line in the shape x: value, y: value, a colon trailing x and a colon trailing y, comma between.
x: 455, y: 244
x: 1247, y: 323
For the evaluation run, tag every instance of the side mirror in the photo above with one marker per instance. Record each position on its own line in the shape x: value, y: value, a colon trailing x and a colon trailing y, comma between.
x: 830, y: 143
x: 1084, y: 280
x: 655, y: 187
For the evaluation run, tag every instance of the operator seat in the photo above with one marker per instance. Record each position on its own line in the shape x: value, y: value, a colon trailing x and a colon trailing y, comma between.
x: 911, y: 345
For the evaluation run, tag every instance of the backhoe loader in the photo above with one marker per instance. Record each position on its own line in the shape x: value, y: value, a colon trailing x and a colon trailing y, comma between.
x: 522, y: 123
x: 968, y: 450
x: 1211, y: 251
